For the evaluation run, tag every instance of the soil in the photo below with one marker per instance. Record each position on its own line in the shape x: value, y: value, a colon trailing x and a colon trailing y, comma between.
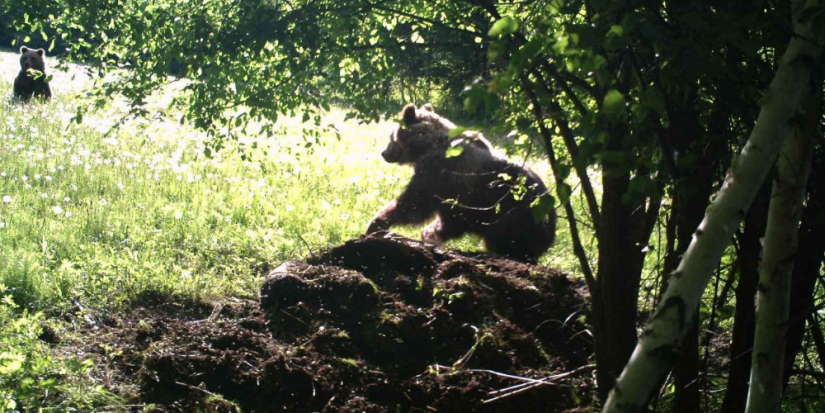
x: 379, y: 324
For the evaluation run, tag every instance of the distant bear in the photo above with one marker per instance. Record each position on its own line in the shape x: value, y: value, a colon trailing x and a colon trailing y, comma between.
x: 26, y: 85
x: 471, y: 189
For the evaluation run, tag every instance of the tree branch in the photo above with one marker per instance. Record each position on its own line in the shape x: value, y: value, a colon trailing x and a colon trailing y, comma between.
x: 578, y: 249
x: 556, y: 114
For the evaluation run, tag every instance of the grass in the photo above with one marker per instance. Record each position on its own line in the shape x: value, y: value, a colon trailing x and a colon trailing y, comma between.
x: 98, y: 218
x: 102, y: 218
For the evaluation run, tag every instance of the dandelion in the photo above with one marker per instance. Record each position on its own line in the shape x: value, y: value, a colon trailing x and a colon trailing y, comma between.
x: 25, y: 178
x: 345, y: 216
x: 120, y: 185
x: 57, y: 209
x: 103, y: 202
x: 178, y: 214
x: 48, y: 177
x: 3, y: 174
x: 68, y: 214
x: 37, y: 177
x: 7, y: 199
x: 67, y: 199
x: 288, y: 207
x: 44, y: 195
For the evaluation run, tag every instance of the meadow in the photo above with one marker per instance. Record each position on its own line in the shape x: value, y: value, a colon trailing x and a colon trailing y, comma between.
x: 93, y: 217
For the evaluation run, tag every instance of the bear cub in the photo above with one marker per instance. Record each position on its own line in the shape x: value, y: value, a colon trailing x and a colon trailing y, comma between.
x: 468, y: 186
x: 28, y: 84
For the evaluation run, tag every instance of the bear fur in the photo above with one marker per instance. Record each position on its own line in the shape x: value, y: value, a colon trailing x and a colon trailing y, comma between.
x: 470, y: 188
x: 26, y: 84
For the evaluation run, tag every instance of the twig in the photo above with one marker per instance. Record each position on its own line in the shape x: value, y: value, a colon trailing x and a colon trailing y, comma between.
x: 545, y: 380
x: 529, y: 383
x: 306, y: 244
x: 189, y: 386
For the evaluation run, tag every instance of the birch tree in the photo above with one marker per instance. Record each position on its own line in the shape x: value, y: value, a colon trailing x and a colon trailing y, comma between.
x: 780, y: 246
x: 656, y: 349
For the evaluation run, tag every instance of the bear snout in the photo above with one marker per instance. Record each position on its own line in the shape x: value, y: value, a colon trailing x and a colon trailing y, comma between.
x: 389, y: 155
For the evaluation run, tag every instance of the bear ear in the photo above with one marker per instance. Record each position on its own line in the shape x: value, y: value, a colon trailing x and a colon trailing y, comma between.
x: 428, y: 107
x: 24, y: 49
x: 41, y: 52
x: 408, y: 114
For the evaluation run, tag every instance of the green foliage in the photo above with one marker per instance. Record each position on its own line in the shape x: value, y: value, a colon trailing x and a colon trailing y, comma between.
x: 454, y: 151
x: 31, y: 377
x: 614, y: 104
x: 103, y: 219
x: 623, y: 91
x: 503, y: 27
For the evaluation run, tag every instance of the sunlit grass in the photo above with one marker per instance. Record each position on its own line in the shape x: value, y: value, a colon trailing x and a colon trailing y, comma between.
x: 101, y: 218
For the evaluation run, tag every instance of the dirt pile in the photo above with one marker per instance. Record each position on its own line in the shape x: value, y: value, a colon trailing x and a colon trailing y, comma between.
x: 378, y: 324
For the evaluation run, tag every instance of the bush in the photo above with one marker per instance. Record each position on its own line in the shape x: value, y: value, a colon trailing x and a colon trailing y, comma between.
x: 31, y: 377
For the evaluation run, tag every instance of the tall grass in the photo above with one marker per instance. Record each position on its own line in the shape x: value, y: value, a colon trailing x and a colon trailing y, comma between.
x: 104, y: 217
x: 100, y: 217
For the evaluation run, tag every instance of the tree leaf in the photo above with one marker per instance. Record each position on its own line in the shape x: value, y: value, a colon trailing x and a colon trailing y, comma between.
x: 542, y: 207
x: 455, y: 132
x: 564, y: 191
x: 613, y: 104
x: 454, y: 151
x: 506, y: 25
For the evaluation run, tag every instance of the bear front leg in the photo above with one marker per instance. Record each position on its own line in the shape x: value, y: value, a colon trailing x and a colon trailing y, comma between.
x: 22, y: 87
x: 416, y: 205
x: 383, y: 219
x: 46, y: 91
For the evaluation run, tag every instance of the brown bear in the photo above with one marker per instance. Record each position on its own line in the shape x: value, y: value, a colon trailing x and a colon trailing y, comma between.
x: 28, y: 84
x: 470, y: 187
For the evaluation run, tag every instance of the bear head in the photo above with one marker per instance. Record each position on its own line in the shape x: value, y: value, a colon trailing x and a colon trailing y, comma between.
x: 420, y: 132
x: 32, y: 59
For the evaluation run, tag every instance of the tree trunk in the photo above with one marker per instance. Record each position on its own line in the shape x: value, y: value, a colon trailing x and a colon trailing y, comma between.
x: 686, y: 372
x: 694, y: 189
x: 808, y: 260
x: 619, y: 275
x: 655, y: 351
x: 693, y: 192
x: 736, y: 393
x: 780, y: 247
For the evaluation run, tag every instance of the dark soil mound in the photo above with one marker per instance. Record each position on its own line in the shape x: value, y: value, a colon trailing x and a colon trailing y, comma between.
x: 379, y: 324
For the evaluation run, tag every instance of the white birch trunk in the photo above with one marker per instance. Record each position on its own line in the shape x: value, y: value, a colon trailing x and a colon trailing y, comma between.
x: 656, y: 350
x: 779, y: 247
